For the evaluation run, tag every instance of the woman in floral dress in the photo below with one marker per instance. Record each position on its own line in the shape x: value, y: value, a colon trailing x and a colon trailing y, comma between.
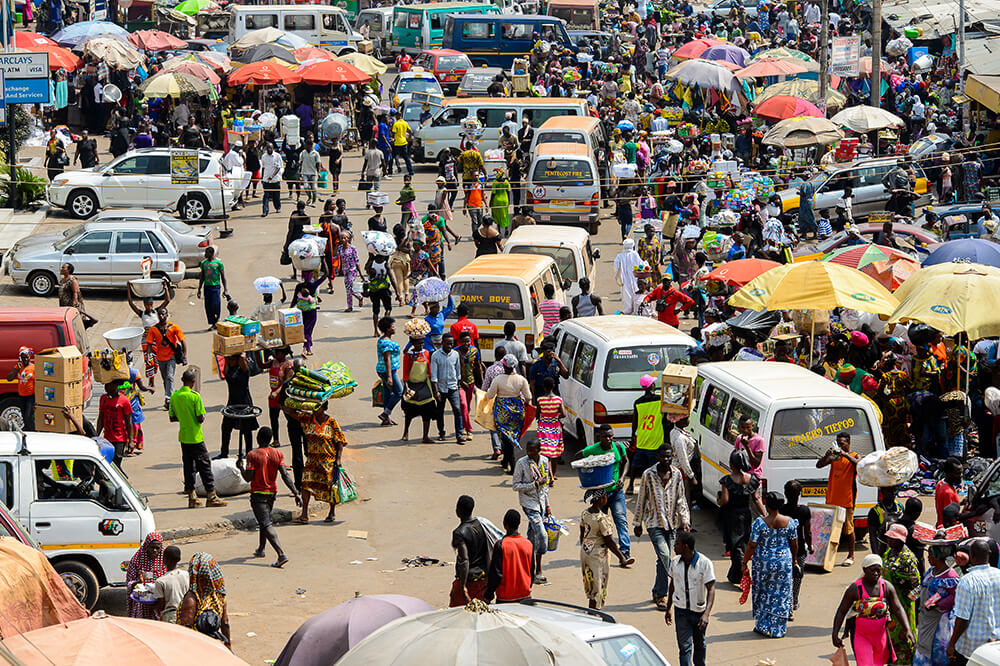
x: 597, y: 532
x: 324, y: 443
x: 351, y: 268
x: 550, y: 411
x: 773, y: 546
x: 937, y: 617
x: 421, y: 267
x: 900, y: 569
x: 433, y: 246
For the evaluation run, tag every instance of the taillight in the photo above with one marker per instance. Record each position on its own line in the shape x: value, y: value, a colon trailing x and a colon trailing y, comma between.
x: 177, y: 266
x: 600, y: 413
x: 204, y: 243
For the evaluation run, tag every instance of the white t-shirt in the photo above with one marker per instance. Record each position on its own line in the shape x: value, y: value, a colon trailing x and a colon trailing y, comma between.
x: 690, y: 580
x: 171, y: 587
x: 265, y: 312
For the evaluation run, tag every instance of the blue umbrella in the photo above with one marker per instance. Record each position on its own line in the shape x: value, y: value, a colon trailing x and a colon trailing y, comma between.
x: 975, y: 250
x: 626, y: 126
x: 76, y: 33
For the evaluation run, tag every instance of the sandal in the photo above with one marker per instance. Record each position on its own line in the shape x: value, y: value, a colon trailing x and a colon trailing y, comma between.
x: 300, y: 520
x: 280, y: 562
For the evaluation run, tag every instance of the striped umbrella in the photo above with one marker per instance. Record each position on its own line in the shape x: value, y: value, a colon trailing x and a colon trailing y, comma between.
x: 859, y: 256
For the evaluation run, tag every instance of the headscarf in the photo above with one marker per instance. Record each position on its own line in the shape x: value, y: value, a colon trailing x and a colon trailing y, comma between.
x: 870, y: 561
x: 207, y: 583
x: 141, y: 562
x: 509, y: 361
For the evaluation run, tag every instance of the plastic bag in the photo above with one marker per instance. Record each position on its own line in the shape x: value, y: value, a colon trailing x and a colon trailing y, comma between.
x: 346, y: 490
x: 484, y: 410
x: 553, y: 530
x: 892, y: 467
x: 839, y: 658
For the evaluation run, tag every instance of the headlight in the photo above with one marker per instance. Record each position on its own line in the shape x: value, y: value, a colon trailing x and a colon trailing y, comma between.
x: 58, y: 182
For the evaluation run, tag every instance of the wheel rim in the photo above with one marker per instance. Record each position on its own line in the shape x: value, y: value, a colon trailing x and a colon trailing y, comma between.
x: 13, y: 416
x: 76, y: 584
x: 41, y: 284
x: 194, y: 209
x: 83, y: 205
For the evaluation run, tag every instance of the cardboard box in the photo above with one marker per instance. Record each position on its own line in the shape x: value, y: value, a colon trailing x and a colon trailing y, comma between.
x: 251, y: 328
x: 269, y: 330
x: 677, y: 389
x: 293, y: 334
x: 54, y: 394
x: 228, y: 345
x: 290, y: 317
x: 227, y: 329
x: 59, y: 364
x: 51, y: 419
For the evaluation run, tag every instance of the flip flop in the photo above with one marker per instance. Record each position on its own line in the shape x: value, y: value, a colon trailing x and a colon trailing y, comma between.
x: 300, y: 520
x: 848, y: 562
x: 329, y: 519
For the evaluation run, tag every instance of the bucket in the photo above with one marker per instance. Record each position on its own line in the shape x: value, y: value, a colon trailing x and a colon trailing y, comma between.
x: 127, y: 338
x: 596, y: 477
x: 147, y: 287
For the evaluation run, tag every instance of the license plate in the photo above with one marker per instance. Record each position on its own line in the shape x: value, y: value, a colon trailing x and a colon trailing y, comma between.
x: 562, y: 203
x: 486, y: 343
x: 814, y: 491
x: 584, y: 218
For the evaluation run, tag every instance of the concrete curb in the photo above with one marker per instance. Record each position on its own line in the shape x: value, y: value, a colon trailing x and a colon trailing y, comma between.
x: 241, y: 521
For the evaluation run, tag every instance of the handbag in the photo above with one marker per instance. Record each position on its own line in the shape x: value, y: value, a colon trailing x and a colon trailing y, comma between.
x: 484, y: 410
x: 378, y: 394
x: 661, y: 305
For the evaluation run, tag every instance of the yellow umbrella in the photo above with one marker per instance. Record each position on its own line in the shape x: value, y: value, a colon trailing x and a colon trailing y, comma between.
x: 367, y: 64
x: 814, y: 285
x: 929, y: 273
x: 957, y: 297
x: 805, y: 88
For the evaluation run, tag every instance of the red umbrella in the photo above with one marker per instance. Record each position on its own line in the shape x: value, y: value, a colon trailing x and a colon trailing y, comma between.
x: 312, y: 53
x: 263, y: 73
x: 331, y: 71
x: 25, y: 39
x: 695, y: 48
x: 197, y: 70
x: 738, y: 273
x: 781, y: 107
x: 59, y: 58
x: 155, y: 40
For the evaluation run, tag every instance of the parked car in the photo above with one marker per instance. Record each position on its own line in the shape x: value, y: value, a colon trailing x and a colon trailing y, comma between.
x: 918, y: 237
x: 103, y: 254
x: 142, y: 179
x: 447, y: 66
x: 723, y: 7
x: 617, y: 644
x: 476, y: 81
x: 190, y: 240
x: 415, y: 80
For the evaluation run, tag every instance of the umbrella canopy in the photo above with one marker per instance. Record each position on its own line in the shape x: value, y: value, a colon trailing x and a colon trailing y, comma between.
x: 801, y: 88
x: 695, y: 48
x: 192, y: 7
x: 859, y: 256
x: 118, y: 641
x: 728, y: 53
x: 263, y: 73
x: 772, y: 67
x: 197, y: 70
x: 156, y: 40
x: 270, y: 36
x: 892, y: 273
x: 364, y: 62
x: 218, y: 62
x: 864, y: 118
x: 865, y: 66
x: 738, y: 273
x: 754, y: 325
x: 786, y: 106
x: 25, y: 39
x: 74, y: 34
x: 707, y: 74
x: 975, y: 250
x: 326, y: 637
x: 472, y: 635
x: 786, y: 54
x: 264, y: 51
x: 802, y: 131
x: 118, y: 54
x: 965, y: 297
x: 173, y: 83
x: 32, y: 595
x: 326, y: 72
x: 313, y: 53
x: 814, y: 285
x: 59, y: 57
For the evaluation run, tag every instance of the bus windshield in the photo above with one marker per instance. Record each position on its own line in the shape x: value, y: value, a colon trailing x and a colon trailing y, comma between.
x: 564, y: 172
x: 490, y: 300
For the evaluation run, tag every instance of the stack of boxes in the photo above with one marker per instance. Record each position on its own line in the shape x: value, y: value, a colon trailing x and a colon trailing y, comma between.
x: 239, y: 334
x: 58, y: 384
x: 228, y: 338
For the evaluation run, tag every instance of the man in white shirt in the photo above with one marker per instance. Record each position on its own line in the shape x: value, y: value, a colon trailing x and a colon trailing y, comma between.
x: 811, y: 13
x: 509, y: 123
x: 232, y: 160
x: 692, y: 592
x: 309, y: 171
x: 181, y: 114
x: 270, y: 175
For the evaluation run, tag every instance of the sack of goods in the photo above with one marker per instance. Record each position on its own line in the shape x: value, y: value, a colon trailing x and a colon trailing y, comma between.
x: 882, y: 469
x: 306, y: 253
x: 309, y: 389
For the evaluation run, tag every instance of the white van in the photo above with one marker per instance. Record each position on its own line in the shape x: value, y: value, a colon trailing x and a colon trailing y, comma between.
x: 498, y: 288
x: 79, y: 507
x: 571, y: 129
x: 606, y: 356
x: 569, y: 247
x: 797, y: 412
x: 379, y: 20
x: 564, y: 185
x: 320, y: 25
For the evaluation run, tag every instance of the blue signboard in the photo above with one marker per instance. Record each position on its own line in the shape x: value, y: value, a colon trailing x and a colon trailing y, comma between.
x: 26, y: 77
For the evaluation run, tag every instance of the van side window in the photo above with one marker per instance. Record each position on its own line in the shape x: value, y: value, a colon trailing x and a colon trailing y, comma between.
x: 435, y: 20
x: 451, y: 117
x: 738, y: 410
x: 806, y: 433
x: 493, y: 117
x: 566, y: 349
x: 541, y: 115
x: 7, y: 484
x: 478, y: 30
x: 583, y: 367
x: 713, y: 412
x: 399, y: 19
x: 258, y: 21
x: 303, y: 21
x: 537, y: 293
x: 67, y: 479
x: 518, y: 31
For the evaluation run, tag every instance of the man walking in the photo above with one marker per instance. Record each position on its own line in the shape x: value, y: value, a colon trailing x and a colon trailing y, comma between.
x: 469, y: 542
x: 401, y: 134
x: 692, y: 592
x: 662, y: 508
x: 445, y: 373
x: 615, y: 494
x: 114, y: 419
x: 842, y: 486
x: 165, y: 339
x: 261, y: 470
x: 512, y: 566
x: 213, y: 279
x: 977, y: 606
x: 532, y: 478
x: 188, y: 412
x: 271, y: 168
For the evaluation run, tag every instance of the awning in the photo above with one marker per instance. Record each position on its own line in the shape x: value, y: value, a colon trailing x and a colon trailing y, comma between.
x: 985, y: 90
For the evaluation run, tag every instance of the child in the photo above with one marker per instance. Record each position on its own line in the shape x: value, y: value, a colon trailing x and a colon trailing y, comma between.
x: 407, y: 197
x: 170, y: 588
x: 550, y: 413
x: 824, y: 230
x: 350, y: 266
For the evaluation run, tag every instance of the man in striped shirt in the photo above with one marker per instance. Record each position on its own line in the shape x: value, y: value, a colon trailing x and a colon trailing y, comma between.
x: 550, y: 309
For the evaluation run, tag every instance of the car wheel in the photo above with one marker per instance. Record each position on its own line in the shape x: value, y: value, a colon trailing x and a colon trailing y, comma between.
x: 41, y: 283
x: 80, y: 580
x: 193, y: 207
x: 344, y: 52
x: 11, y: 412
x: 82, y: 204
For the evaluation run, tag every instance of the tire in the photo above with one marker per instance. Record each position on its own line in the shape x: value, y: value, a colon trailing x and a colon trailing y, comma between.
x: 193, y: 207
x: 80, y: 580
x: 593, y: 228
x: 41, y: 283
x: 12, y: 411
x: 82, y: 204
x: 345, y: 51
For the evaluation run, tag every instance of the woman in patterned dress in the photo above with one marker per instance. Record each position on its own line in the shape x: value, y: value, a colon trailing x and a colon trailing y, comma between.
x: 648, y: 248
x: 937, y: 620
x: 144, y: 567
x: 325, y: 442
x: 900, y: 569
x: 550, y: 411
x: 773, y: 547
x: 597, y: 532
x: 893, y: 388
x: 421, y: 267
x: 206, y: 593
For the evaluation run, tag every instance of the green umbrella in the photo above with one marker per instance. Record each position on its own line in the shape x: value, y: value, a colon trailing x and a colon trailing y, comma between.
x: 192, y: 7
x: 859, y: 256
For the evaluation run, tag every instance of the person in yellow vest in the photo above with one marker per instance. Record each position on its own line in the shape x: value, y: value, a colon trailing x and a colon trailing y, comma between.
x: 649, y: 430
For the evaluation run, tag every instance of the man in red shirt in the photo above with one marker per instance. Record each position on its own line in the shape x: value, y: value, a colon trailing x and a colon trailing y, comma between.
x: 114, y: 418
x: 512, y: 567
x: 463, y: 324
x: 24, y: 372
x: 261, y: 470
x: 946, y: 490
x: 672, y: 298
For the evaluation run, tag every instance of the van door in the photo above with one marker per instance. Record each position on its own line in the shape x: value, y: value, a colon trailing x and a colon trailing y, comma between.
x: 714, y: 449
x: 516, y: 37
x: 582, y: 372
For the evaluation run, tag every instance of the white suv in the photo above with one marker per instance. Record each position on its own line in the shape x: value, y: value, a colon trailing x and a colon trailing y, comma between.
x: 141, y: 179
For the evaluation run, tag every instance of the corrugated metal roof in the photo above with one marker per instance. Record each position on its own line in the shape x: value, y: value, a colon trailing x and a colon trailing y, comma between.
x: 936, y: 17
x: 982, y: 56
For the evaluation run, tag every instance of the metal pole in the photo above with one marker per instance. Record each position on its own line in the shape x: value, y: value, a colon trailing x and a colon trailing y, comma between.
x: 8, y: 39
x: 824, y: 53
x: 876, y: 94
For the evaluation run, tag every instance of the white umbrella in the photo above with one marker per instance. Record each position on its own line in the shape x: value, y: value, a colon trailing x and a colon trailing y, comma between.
x: 864, y: 118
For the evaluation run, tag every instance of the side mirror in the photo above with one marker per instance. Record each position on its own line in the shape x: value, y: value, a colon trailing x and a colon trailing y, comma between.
x: 596, y: 253
x: 107, y: 174
x: 70, y: 250
x: 119, y: 498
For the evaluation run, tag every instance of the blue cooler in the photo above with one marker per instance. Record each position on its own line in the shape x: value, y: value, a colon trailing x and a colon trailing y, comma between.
x: 596, y: 477
x: 915, y: 52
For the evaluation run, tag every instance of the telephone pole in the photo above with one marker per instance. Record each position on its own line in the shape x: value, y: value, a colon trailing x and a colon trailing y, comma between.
x: 824, y: 53
x: 876, y: 98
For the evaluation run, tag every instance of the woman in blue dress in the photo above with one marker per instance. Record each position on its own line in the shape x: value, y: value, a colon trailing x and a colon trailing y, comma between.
x: 773, y: 547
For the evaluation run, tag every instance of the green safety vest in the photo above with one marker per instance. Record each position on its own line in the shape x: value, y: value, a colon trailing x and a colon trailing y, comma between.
x: 649, y: 428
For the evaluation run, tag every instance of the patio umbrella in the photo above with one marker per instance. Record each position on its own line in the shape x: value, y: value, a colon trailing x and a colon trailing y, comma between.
x: 364, y: 62
x: 218, y: 62
x: 756, y: 326
x: 865, y: 66
x: 116, y: 53
x: 728, y: 53
x: 814, y: 285
x: 859, y: 256
x: 802, y: 131
x: 25, y: 39
x: 192, y: 7
x: 974, y: 250
x: 786, y: 53
x: 892, y: 273
x: 155, y: 40
x: 326, y: 637
x: 74, y: 34
x: 118, y: 641
x: 475, y: 634
x: 270, y: 36
x: 864, y: 118
x: 786, y: 106
x: 263, y: 52
x: 964, y: 297
x: 801, y: 88
x: 313, y: 53
x: 695, y: 48
x: 772, y: 67
x: 928, y: 273
x: 326, y: 72
x: 263, y: 73
x: 738, y: 273
x: 707, y: 74
x: 59, y: 57
x: 197, y: 70
x: 173, y: 83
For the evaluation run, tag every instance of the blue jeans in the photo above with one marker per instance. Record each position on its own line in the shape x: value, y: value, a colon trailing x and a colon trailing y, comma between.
x: 309, y: 184
x: 404, y: 153
x: 455, y: 399
x: 536, y: 530
x: 663, y: 544
x: 690, y: 638
x: 616, y: 502
x: 213, y: 303
x: 955, y: 446
x: 167, y: 370
x: 392, y: 390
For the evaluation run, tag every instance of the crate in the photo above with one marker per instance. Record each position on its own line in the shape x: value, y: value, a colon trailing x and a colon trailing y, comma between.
x: 269, y: 330
x: 227, y: 329
x: 59, y: 364
x: 677, y: 389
